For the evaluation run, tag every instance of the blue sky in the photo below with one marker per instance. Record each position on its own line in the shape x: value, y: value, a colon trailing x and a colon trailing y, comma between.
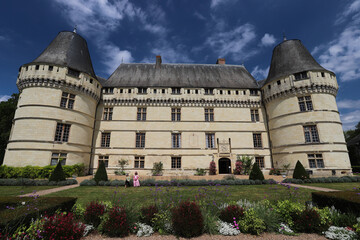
x: 188, y: 31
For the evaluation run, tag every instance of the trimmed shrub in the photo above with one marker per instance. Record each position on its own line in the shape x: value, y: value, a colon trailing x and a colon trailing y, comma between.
x: 86, y: 182
x: 101, y: 174
x: 308, y: 221
x: 116, y: 223
x: 147, y: 214
x: 58, y: 174
x: 187, y: 220
x: 118, y: 183
x: 230, y: 212
x: 256, y: 173
x: 212, y: 168
x: 345, y: 201
x: 93, y: 212
x: 300, y: 172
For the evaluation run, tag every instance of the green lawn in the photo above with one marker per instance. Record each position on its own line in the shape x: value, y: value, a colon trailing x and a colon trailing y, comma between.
x: 338, y: 186
x: 19, y: 190
x: 146, y: 195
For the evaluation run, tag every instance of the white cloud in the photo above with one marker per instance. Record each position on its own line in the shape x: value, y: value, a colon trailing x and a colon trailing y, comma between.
x: 268, y: 39
x: 114, y: 57
x: 234, y: 42
x: 199, y: 16
x: 216, y: 3
x: 348, y: 103
x: 351, y: 8
x: 260, y: 73
x: 4, y: 98
x: 350, y: 119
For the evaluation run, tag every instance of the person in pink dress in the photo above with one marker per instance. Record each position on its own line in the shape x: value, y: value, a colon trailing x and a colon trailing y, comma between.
x: 136, y: 180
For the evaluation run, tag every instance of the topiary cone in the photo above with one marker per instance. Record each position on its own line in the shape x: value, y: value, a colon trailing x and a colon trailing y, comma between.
x: 299, y: 171
x: 101, y: 174
x: 58, y: 173
x: 256, y: 173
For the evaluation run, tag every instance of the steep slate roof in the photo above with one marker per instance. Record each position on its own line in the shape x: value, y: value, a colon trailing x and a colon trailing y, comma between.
x: 181, y: 75
x: 291, y: 57
x: 68, y: 49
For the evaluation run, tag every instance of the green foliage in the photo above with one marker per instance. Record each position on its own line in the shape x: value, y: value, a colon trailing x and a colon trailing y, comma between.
x: 340, y: 219
x: 246, y: 163
x: 122, y: 163
x: 210, y: 223
x: 256, y: 173
x: 212, y: 168
x: 308, y: 221
x: 78, y: 210
x: 158, y: 169
x: 161, y: 222
x: 287, y: 209
x: 266, y: 212
x: 250, y: 223
x: 58, y: 174
x: 300, y: 172
x: 148, y: 213
x: 346, y: 201
x: 350, y: 134
x: 101, y: 174
x: 200, y: 172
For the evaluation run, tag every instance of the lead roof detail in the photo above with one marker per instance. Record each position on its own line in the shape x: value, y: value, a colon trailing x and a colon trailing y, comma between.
x: 68, y: 49
x: 181, y: 75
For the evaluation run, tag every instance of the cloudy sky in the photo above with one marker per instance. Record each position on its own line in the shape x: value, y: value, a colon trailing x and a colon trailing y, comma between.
x: 189, y: 31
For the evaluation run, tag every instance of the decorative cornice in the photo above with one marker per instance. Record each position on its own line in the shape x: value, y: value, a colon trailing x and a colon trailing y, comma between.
x: 52, y: 83
x: 294, y: 91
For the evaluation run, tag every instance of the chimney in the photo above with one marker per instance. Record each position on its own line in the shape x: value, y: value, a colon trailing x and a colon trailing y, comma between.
x: 158, y: 62
x: 221, y: 61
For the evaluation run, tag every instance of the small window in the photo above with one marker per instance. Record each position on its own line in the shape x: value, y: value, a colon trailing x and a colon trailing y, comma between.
x: 139, y: 162
x: 175, y: 162
x: 209, y: 91
x: 108, y: 112
x: 91, y: 81
x: 311, y: 134
x: 56, y: 157
x: 188, y: 91
x: 142, y: 90
x: 322, y: 74
x: 163, y: 90
x: 37, y: 67
x: 257, y: 140
x: 26, y: 68
x: 300, y: 75
x: 244, y: 92
x: 278, y: 82
x: 129, y: 90
x: 176, y: 114
x: 154, y: 91
x: 62, y: 132
x: 51, y: 68
x: 141, y: 114
x: 237, y: 92
x: 176, y: 140
x: 209, y: 114
x: 175, y: 90
x: 73, y: 72
x: 140, y: 140
x: 229, y: 92
x: 210, y: 140
x: 121, y: 90
x: 254, y: 115
x: 67, y: 100
x: 260, y: 162
x: 105, y: 159
x: 305, y: 103
x: 221, y: 91
x: 108, y: 90
x: 269, y: 86
x: 105, y: 139
x: 316, y: 161
x: 196, y: 91
x: 254, y: 92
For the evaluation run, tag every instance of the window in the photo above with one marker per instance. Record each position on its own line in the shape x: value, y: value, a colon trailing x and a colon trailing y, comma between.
x: 316, y: 161
x: 237, y: 92
x: 300, y: 75
x: 260, y: 162
x: 209, y: 114
x: 322, y: 74
x: 67, y: 100
x: 278, y: 82
x: 37, y: 67
x: 254, y: 115
x: 108, y: 90
x: 27, y: 67
x: 140, y: 140
x: 105, y: 139
x: 229, y: 92
x: 269, y: 86
x: 154, y: 91
x: 175, y: 162
x: 209, y: 91
x: 108, y: 113
x: 62, y: 132
x: 141, y: 114
x: 176, y: 140
x: 142, y: 90
x: 91, y: 81
x: 73, y: 72
x: 129, y: 90
x: 257, y: 140
x: 175, y: 90
x: 311, y: 134
x: 51, y: 68
x: 139, y: 162
x: 254, y: 92
x: 55, y: 157
x: 188, y: 91
x: 220, y: 91
x: 196, y: 91
x: 121, y: 90
x: 163, y: 90
x: 105, y: 159
x: 210, y: 140
x: 176, y: 114
x: 305, y: 103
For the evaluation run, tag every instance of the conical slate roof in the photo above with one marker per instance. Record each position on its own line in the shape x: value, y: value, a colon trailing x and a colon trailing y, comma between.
x: 291, y: 57
x: 181, y: 75
x: 68, y: 49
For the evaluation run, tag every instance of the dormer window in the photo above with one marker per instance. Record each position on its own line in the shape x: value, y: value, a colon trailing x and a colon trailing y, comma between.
x: 278, y: 82
x: 91, y: 81
x: 51, y: 68
x: 209, y: 91
x: 254, y: 92
x: 300, y: 75
x: 322, y: 74
x: 175, y: 90
x: 142, y: 90
x: 73, y: 72
x: 37, y: 67
x: 108, y: 90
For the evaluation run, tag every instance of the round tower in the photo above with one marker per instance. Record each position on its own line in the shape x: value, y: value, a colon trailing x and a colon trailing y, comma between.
x: 55, y: 115
x: 304, y: 121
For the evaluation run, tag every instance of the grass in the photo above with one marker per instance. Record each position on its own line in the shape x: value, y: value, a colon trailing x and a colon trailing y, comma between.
x: 146, y: 195
x: 6, y: 191
x: 338, y: 186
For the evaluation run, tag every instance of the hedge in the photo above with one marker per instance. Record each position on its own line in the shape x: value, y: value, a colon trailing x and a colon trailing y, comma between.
x: 345, y: 201
x: 15, y: 211
x: 32, y: 182
x: 39, y: 172
x: 323, y: 180
x: 179, y: 182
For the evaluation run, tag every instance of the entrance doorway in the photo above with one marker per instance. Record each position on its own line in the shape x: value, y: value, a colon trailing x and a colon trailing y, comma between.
x: 224, y: 166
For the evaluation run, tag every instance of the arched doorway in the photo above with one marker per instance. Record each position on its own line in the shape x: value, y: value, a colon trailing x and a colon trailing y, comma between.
x: 224, y: 166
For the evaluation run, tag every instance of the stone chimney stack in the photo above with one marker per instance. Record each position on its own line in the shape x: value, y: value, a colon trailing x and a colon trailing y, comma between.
x: 221, y: 61
x: 158, y: 62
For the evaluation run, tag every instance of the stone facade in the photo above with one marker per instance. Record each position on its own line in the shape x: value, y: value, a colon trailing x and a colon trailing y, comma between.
x: 65, y: 111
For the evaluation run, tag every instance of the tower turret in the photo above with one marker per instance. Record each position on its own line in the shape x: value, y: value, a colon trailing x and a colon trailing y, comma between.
x: 59, y: 93
x: 304, y: 122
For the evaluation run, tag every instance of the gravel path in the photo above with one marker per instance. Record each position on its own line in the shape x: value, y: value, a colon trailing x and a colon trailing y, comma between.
x: 313, y: 188
x: 51, y: 190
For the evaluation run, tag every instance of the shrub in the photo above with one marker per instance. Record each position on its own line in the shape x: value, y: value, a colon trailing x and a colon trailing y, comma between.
x: 251, y: 223
x: 116, y: 223
x: 230, y: 212
x: 200, y: 172
x: 147, y: 214
x: 187, y: 220
x: 62, y: 226
x: 238, y: 167
x: 346, y: 201
x: 162, y: 222
x: 308, y: 221
x: 58, y: 174
x: 158, y: 168
x: 212, y: 168
x: 101, y: 174
x: 256, y: 173
x: 93, y: 213
x: 300, y: 172
x: 118, y: 183
x: 86, y: 182
x: 270, y: 217
x: 287, y: 209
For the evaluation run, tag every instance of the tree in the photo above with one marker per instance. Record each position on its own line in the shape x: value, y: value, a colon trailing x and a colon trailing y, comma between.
x: 246, y: 162
x: 350, y: 134
x: 101, y: 174
x: 300, y: 172
x: 256, y: 173
x: 58, y: 174
x: 7, y: 111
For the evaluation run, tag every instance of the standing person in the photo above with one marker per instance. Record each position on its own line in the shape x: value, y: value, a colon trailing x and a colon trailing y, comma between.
x: 136, y: 180
x: 127, y: 181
